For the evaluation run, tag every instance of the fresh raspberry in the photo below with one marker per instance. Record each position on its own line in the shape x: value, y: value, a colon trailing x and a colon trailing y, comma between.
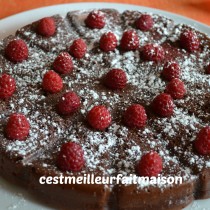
x: 163, y: 105
x: 78, y: 48
x: 153, y: 52
x: 68, y: 104
x: 16, y: 51
x: 151, y: 164
x: 63, y: 63
x: 144, y: 22
x: 129, y: 41
x: 46, y: 27
x: 52, y: 82
x: 116, y: 79
x: 202, y: 142
x: 208, y: 69
x: 7, y: 86
x: 96, y: 19
x: 17, y: 127
x: 71, y: 157
x: 189, y: 41
x: 171, y: 70
x: 176, y: 89
x: 99, y: 117
x: 135, y: 116
x: 108, y: 42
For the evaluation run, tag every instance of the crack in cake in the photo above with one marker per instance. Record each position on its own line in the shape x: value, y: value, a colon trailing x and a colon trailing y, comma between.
x: 104, y: 93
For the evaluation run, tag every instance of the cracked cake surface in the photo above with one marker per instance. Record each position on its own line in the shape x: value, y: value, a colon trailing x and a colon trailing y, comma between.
x: 117, y: 148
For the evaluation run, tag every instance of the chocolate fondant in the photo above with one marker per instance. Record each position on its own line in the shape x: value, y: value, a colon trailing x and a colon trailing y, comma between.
x: 117, y: 149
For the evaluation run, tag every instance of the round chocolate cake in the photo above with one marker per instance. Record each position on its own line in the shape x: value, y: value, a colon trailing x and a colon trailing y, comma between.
x: 103, y: 93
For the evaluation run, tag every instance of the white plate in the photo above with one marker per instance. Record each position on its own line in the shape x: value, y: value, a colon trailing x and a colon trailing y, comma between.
x: 12, y: 197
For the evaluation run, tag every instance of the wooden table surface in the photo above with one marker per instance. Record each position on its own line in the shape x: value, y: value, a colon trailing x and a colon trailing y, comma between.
x: 195, y: 9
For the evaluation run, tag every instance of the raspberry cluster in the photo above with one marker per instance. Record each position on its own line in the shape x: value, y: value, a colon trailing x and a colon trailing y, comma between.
x: 71, y: 155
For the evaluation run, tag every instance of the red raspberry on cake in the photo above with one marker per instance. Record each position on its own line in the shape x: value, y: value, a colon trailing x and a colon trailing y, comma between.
x: 17, y: 127
x: 135, y: 116
x: 144, y: 22
x: 151, y: 164
x: 163, y: 105
x: 99, y: 117
x: 171, y: 70
x: 116, y: 79
x: 16, y: 51
x: 189, y: 41
x: 52, y: 82
x: 46, y: 27
x: 78, y: 48
x: 202, y: 142
x: 95, y: 19
x: 208, y: 69
x: 7, y: 86
x: 176, y: 89
x: 153, y: 52
x: 129, y: 41
x: 71, y: 157
x: 63, y: 63
x: 68, y: 104
x: 108, y: 42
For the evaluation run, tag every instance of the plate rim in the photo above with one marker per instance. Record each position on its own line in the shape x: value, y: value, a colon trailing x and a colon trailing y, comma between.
x: 177, y: 18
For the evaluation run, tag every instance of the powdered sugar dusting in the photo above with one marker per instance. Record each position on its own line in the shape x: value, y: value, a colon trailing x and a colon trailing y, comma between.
x: 117, y: 149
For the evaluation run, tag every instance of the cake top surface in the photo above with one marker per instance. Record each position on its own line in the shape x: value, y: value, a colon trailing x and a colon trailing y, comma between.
x: 118, y: 148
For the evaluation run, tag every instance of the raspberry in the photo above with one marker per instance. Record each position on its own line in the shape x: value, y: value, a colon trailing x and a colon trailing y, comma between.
x: 208, y: 69
x: 151, y: 164
x: 176, y: 89
x: 78, y: 48
x: 96, y: 19
x: 189, y: 41
x: 116, y: 79
x: 108, y: 42
x: 52, y: 82
x: 135, y: 116
x: 17, y: 127
x: 16, y: 51
x: 129, y: 41
x: 163, y: 105
x: 7, y: 86
x: 63, y: 63
x: 71, y: 157
x: 153, y: 52
x: 202, y: 142
x: 99, y: 117
x: 171, y: 70
x: 46, y: 27
x: 68, y: 104
x: 144, y: 22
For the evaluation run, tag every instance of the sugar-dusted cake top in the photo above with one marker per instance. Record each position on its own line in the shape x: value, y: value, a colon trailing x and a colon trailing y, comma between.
x: 112, y: 139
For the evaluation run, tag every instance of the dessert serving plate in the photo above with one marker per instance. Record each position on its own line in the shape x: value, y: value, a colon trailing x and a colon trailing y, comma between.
x: 13, y: 197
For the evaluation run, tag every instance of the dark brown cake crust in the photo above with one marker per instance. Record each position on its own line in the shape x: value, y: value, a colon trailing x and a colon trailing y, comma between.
x: 117, y: 149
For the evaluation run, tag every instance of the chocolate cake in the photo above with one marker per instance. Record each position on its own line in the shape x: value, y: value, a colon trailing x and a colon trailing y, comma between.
x: 117, y: 147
